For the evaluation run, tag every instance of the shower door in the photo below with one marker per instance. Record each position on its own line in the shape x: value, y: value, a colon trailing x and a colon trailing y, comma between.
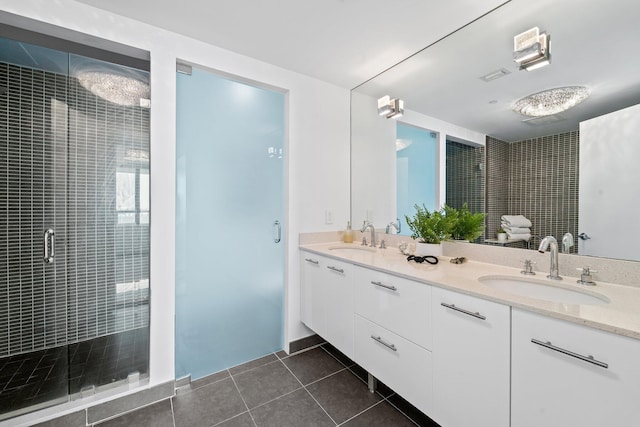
x: 229, y: 233
x: 74, y: 219
x: 33, y: 282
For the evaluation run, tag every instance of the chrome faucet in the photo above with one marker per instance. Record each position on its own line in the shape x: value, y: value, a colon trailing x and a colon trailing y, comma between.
x: 547, y: 242
x: 366, y: 225
x: 395, y: 225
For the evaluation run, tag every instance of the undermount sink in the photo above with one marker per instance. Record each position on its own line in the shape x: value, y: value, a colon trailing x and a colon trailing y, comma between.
x: 349, y: 249
x: 543, y: 290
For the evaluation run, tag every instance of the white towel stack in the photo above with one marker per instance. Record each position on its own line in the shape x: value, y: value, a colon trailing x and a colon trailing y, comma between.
x: 517, y: 227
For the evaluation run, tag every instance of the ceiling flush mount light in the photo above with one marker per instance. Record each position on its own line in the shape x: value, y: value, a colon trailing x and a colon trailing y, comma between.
x: 551, y: 101
x: 531, y: 49
x: 115, y: 88
x: 390, y: 108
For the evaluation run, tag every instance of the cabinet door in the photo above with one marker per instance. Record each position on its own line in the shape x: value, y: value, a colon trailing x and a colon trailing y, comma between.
x: 397, y: 362
x: 471, y: 360
x: 312, y: 294
x: 400, y: 305
x: 337, y: 281
x: 559, y: 377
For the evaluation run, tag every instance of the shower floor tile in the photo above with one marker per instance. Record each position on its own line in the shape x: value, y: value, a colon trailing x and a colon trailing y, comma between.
x: 41, y: 376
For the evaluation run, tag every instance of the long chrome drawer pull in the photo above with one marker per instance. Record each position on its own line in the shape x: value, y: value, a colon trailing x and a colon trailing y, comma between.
x: 589, y: 359
x: 386, y: 344
x: 382, y: 285
x: 339, y: 270
x: 462, y: 310
x: 312, y: 261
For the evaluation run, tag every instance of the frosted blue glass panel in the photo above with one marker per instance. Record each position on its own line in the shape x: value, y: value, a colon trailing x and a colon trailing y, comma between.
x: 229, y: 268
x: 416, y: 171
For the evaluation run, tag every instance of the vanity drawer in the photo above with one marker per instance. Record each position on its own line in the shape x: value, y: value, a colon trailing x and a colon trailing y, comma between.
x: 400, y: 305
x: 397, y: 362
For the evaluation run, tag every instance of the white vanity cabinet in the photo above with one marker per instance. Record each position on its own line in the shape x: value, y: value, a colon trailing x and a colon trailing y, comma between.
x: 393, y: 333
x: 471, y: 360
x: 564, y: 374
x: 327, y: 299
x: 395, y: 303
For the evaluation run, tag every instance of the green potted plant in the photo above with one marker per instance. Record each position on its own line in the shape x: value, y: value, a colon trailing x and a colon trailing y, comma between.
x: 429, y: 229
x: 502, y: 235
x: 467, y: 226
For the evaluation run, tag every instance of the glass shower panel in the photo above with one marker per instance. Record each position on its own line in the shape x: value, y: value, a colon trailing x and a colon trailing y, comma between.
x: 108, y: 232
x: 229, y: 260
x: 33, y: 165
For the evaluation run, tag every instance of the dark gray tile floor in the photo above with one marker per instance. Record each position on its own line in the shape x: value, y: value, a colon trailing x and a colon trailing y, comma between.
x: 317, y: 387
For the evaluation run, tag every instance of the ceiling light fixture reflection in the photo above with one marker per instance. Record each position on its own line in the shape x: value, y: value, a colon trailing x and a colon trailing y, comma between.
x: 531, y: 49
x: 115, y: 88
x: 551, y: 101
x: 401, y: 144
x: 390, y: 108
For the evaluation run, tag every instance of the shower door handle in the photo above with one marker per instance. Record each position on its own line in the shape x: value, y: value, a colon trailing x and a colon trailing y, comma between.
x: 278, y: 231
x: 49, y: 246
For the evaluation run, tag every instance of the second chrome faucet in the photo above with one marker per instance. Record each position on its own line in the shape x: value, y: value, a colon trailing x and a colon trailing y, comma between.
x: 551, y: 243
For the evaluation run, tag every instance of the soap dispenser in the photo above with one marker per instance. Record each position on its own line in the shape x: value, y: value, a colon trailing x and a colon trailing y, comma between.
x: 348, y: 234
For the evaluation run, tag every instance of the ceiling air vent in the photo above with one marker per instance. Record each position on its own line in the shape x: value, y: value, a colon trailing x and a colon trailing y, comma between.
x: 494, y: 75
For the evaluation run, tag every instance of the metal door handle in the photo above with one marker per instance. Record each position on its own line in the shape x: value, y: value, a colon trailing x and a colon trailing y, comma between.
x: 384, y: 343
x: 382, y: 285
x: 49, y: 246
x: 462, y: 310
x: 584, y: 236
x: 588, y: 359
x: 312, y: 261
x: 278, y: 228
x: 339, y: 270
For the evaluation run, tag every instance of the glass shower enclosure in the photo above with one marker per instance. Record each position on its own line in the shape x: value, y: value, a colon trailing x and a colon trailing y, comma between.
x: 74, y: 225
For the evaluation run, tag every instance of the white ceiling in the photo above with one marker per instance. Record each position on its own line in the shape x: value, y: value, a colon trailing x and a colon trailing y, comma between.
x: 344, y: 42
x: 594, y: 43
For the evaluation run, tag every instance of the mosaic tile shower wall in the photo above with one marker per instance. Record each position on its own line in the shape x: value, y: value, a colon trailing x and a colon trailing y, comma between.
x: 465, y: 174
x: 542, y: 176
x: 497, y: 184
x: 61, y: 150
x: 33, y: 156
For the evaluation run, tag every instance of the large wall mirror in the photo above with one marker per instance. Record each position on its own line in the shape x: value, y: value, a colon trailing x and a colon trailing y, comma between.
x: 573, y: 171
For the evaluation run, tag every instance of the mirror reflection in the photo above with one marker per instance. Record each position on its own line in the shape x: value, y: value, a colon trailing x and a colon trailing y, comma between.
x: 565, y: 172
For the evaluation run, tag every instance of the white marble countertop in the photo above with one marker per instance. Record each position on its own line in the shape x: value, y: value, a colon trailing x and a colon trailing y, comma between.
x: 621, y: 315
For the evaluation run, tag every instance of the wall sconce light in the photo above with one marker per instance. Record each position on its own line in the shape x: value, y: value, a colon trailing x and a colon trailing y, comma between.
x: 390, y: 108
x: 531, y: 49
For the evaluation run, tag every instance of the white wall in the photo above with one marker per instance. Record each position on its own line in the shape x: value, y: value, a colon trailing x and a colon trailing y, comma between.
x: 373, y: 162
x: 318, y: 155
